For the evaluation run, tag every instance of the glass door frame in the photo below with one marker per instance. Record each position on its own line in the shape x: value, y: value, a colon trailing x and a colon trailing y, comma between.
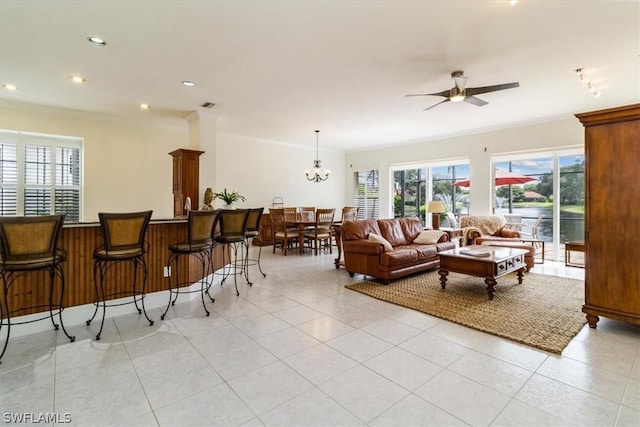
x: 555, y: 156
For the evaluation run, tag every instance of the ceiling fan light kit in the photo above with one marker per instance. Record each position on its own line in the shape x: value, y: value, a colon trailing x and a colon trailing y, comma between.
x: 459, y: 92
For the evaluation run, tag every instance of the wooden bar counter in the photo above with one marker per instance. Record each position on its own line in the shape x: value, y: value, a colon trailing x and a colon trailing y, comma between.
x: 80, y: 240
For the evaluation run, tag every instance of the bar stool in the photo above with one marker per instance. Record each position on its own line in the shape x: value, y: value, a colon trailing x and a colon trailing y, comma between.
x: 30, y: 244
x: 252, y: 231
x: 233, y: 223
x: 123, y: 237
x: 199, y: 244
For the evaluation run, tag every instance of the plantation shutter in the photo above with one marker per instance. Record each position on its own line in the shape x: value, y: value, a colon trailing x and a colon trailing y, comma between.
x: 367, y: 192
x: 8, y: 179
x: 67, y: 183
x: 37, y: 180
x: 40, y: 175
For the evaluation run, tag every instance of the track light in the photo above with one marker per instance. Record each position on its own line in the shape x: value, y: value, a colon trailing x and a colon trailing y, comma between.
x: 588, y: 82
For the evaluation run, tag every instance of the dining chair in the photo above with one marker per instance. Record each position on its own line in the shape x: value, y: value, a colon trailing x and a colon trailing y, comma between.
x: 322, y: 232
x: 282, y: 235
x: 252, y: 231
x: 123, y: 236
x: 233, y: 226
x: 199, y: 245
x: 27, y: 245
x: 349, y: 214
x: 307, y: 210
x: 290, y: 211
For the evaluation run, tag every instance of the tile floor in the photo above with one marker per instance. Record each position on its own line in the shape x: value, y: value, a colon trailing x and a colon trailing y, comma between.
x: 298, y: 349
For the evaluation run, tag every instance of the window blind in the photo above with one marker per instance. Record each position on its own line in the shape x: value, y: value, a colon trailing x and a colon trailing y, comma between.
x: 367, y: 194
x: 40, y: 175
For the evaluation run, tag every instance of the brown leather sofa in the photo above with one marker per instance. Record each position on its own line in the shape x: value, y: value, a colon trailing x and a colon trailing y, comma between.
x: 370, y: 257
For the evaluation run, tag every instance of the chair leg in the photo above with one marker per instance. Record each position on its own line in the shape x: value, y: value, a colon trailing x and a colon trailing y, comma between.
x: 235, y: 276
x: 210, y: 272
x: 5, y: 307
x: 203, y: 281
x: 143, y: 295
x: 98, y: 279
x: 169, y: 303
x: 260, y: 265
x: 60, y: 272
x: 51, y: 283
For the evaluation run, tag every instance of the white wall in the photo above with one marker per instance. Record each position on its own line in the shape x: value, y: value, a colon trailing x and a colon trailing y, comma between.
x: 261, y: 170
x: 127, y: 165
x: 478, y: 149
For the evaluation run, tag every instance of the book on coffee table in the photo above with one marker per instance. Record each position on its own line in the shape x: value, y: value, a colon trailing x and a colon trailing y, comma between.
x: 476, y: 253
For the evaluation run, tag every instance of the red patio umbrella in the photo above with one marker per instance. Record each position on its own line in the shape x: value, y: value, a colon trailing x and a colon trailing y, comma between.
x: 502, y: 178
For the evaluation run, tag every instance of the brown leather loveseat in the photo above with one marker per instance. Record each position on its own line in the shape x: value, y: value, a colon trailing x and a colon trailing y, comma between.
x: 410, y: 249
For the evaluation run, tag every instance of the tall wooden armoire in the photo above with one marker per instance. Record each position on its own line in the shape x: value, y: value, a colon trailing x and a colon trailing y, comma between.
x: 612, y: 214
x: 186, y: 179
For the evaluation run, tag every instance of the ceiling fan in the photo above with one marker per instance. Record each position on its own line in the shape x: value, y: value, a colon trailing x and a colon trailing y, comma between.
x: 461, y: 93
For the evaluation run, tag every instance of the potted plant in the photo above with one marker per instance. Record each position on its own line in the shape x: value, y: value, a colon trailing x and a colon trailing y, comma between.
x: 229, y: 197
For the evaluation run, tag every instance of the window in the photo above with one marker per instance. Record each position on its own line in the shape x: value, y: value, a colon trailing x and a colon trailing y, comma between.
x: 454, y: 197
x: 366, y: 196
x: 40, y: 175
x: 414, y: 187
x: 409, y: 193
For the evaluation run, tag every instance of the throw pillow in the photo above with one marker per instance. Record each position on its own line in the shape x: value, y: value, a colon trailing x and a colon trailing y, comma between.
x: 384, y: 242
x: 428, y: 237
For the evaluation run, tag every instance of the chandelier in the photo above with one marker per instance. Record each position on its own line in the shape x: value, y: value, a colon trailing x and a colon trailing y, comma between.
x: 316, y: 177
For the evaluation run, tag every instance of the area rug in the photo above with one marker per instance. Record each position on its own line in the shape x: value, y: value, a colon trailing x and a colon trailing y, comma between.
x: 543, y: 312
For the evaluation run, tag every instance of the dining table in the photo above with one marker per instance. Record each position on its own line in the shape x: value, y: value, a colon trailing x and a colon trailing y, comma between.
x: 301, y: 221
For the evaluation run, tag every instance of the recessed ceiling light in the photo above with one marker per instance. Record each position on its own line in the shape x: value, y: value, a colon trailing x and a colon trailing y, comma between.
x: 97, y: 41
x: 78, y: 79
x: 145, y: 106
x: 9, y: 86
x: 188, y: 83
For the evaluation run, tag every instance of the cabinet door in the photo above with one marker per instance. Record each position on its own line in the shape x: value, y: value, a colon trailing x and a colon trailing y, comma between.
x: 612, y: 214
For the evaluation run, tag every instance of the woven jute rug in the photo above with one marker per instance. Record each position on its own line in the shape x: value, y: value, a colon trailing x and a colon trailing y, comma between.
x: 543, y: 312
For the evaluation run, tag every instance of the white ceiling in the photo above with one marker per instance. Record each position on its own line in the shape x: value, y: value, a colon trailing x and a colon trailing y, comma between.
x: 278, y: 70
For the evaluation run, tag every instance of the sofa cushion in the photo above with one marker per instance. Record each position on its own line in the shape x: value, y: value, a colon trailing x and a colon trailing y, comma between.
x: 360, y: 229
x: 391, y: 229
x: 428, y: 237
x: 411, y: 227
x: 399, y: 256
x: 426, y: 251
x: 381, y: 240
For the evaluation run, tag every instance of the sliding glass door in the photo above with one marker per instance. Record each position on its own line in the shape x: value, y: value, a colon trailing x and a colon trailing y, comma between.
x: 550, y: 204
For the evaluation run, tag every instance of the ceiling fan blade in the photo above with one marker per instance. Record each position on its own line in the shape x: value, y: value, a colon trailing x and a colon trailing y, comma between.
x: 475, y: 101
x: 484, y: 89
x: 435, y: 105
x: 443, y: 93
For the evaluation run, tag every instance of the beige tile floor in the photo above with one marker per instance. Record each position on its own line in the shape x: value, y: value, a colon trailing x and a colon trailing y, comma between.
x: 298, y: 349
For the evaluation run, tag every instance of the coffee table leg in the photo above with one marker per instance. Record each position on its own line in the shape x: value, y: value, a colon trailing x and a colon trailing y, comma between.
x: 520, y: 276
x: 491, y: 283
x: 443, y: 277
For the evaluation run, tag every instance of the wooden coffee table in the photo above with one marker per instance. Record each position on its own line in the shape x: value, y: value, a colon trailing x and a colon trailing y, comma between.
x: 482, y: 261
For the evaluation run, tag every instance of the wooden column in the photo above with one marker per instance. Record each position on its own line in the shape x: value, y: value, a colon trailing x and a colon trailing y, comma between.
x: 186, y: 180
